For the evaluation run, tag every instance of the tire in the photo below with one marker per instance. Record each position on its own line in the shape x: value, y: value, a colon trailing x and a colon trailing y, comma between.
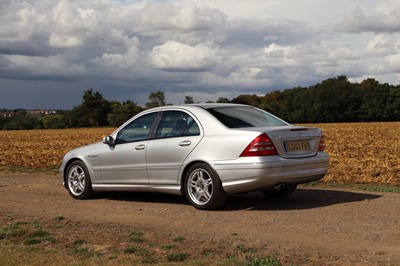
x: 78, y: 181
x: 203, y: 188
x: 280, y: 192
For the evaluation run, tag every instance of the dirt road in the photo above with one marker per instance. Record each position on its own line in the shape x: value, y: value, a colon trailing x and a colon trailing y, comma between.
x: 313, y: 226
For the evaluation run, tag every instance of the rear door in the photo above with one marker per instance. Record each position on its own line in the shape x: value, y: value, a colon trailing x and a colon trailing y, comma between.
x: 178, y: 133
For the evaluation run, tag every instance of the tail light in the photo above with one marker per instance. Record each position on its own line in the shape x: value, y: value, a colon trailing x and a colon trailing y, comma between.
x: 260, y: 146
x: 322, y: 144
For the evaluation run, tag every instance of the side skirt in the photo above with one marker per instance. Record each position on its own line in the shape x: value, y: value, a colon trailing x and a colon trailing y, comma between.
x: 169, y: 189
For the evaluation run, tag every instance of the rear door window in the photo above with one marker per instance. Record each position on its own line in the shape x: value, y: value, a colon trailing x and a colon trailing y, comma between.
x: 177, y: 124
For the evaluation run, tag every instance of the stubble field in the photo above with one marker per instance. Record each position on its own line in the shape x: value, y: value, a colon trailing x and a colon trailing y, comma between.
x: 359, y: 152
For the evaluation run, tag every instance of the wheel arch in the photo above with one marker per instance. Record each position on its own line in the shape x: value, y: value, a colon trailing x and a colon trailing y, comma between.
x: 186, y: 170
x: 66, y: 169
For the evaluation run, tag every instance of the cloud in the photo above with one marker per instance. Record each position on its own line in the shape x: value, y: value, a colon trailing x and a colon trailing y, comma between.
x: 381, y: 45
x: 379, y: 16
x: 64, y: 41
x: 175, y: 56
x: 185, y: 23
x: 178, y: 17
x: 280, y: 56
x: 227, y: 47
x: 393, y: 60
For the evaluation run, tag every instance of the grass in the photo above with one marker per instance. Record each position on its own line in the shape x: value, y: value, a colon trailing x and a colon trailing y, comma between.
x: 40, y: 243
x: 59, y: 218
x: 136, y: 237
x: 79, y: 242
x: 179, y: 239
x: 355, y: 186
x: 177, y: 257
x: 266, y: 261
x: 12, y: 231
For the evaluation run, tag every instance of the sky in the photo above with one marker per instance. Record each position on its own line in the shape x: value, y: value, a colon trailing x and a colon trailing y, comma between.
x: 52, y: 51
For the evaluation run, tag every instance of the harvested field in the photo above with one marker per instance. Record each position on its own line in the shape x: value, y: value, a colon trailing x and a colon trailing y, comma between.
x: 363, y: 152
x: 43, y: 149
x: 360, y: 152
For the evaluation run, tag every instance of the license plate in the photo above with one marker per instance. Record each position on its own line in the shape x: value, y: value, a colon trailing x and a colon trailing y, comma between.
x: 297, y: 146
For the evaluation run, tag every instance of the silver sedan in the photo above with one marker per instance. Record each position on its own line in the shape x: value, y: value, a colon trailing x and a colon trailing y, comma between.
x: 203, y: 151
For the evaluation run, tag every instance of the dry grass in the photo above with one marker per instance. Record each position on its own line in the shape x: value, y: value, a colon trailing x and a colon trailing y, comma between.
x: 360, y: 152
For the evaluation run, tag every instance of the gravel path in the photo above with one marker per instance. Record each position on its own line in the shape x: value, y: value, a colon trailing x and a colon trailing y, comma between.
x: 324, y: 226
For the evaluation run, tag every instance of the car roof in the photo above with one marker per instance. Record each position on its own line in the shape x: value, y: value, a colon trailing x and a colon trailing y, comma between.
x: 213, y: 105
x: 201, y: 105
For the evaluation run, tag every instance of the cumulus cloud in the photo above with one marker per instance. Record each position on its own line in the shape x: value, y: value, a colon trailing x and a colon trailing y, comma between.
x: 186, y: 23
x: 381, y: 45
x: 376, y: 16
x: 131, y: 47
x: 178, y: 17
x: 174, y: 56
x: 280, y: 56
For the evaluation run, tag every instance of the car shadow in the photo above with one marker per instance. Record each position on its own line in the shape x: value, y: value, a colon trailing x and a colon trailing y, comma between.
x: 146, y: 197
x: 302, y: 198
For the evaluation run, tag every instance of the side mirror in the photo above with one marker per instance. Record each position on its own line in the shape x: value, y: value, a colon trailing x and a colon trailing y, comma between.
x: 110, y: 141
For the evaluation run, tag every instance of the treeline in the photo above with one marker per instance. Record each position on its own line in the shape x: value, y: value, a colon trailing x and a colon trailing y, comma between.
x: 331, y: 101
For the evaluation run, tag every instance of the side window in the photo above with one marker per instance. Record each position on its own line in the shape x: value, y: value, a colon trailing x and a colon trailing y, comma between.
x: 177, y: 124
x: 138, y: 129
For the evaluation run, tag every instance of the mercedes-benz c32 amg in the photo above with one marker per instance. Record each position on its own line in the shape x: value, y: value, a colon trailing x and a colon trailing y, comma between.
x: 203, y: 151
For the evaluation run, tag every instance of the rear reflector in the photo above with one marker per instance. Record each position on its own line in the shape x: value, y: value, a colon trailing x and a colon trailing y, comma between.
x: 322, y: 144
x: 260, y: 146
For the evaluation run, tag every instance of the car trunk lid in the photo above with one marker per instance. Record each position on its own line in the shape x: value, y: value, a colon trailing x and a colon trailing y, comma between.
x: 295, y: 141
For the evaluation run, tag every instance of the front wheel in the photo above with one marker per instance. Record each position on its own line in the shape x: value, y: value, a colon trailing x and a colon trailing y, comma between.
x: 203, y: 188
x: 78, y: 181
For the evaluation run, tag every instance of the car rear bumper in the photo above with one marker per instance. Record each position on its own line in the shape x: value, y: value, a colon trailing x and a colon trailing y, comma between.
x: 258, y: 173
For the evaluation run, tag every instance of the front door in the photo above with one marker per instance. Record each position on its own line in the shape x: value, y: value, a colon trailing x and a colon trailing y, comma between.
x: 125, y: 162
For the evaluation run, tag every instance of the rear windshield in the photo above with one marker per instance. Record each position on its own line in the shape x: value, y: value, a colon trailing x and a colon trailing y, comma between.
x: 242, y: 116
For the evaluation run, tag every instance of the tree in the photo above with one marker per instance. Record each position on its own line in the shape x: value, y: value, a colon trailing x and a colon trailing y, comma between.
x: 253, y: 100
x: 92, y: 112
x: 156, y: 99
x: 273, y: 102
x: 121, y: 112
x: 53, y: 121
x: 22, y: 122
x: 223, y: 100
x: 189, y: 99
x: 393, y: 103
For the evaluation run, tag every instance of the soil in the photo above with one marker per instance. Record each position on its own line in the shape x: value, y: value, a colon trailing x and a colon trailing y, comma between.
x: 312, y: 227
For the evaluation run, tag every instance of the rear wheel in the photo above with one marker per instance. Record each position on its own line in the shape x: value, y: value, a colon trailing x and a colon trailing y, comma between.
x: 280, y: 191
x: 78, y: 181
x: 203, y: 188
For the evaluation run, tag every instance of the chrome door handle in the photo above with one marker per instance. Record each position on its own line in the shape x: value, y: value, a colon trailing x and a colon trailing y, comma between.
x: 140, y: 147
x: 185, y: 143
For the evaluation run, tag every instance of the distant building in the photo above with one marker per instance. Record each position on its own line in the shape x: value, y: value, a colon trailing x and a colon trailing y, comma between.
x: 12, y: 113
x: 40, y: 112
x: 7, y: 114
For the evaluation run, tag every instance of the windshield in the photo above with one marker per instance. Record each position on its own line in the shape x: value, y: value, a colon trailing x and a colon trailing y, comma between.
x: 243, y: 116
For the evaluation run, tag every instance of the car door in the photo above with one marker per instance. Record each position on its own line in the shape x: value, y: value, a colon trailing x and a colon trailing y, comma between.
x: 125, y: 161
x: 178, y: 133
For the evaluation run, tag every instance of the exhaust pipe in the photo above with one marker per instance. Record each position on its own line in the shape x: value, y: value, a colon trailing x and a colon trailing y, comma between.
x: 280, y: 186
